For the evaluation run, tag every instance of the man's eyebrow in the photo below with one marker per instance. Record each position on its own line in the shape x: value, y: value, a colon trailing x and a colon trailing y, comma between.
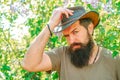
x: 71, y: 31
x: 74, y: 29
x: 66, y: 35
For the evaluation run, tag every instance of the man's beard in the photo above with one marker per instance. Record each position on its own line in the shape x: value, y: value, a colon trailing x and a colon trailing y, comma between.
x: 80, y: 56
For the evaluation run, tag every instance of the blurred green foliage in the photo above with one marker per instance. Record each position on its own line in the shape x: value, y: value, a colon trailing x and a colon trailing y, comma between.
x: 36, y: 14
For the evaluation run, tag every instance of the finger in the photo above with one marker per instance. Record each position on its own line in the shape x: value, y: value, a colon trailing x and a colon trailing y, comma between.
x: 66, y: 13
x: 62, y: 11
x: 70, y: 11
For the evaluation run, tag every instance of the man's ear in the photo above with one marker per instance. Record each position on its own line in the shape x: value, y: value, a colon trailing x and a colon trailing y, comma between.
x: 91, y: 28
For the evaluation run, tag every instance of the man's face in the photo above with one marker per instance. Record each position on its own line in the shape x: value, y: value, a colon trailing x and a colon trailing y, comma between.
x: 81, y: 44
x: 76, y: 33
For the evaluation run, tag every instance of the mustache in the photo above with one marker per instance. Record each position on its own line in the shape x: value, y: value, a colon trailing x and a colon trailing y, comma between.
x: 77, y: 44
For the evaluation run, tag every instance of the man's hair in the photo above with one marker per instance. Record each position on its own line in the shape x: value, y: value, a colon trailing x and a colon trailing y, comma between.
x: 85, y: 22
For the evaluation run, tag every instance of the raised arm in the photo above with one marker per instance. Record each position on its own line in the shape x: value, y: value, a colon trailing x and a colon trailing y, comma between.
x: 35, y: 59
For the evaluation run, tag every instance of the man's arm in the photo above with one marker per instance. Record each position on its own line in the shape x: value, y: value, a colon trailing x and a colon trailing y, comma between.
x: 35, y: 59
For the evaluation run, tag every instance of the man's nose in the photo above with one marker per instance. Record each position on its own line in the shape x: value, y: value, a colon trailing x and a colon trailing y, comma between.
x: 71, y: 39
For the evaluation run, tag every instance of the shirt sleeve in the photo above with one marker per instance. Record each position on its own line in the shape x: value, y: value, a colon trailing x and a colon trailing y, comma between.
x: 55, y: 57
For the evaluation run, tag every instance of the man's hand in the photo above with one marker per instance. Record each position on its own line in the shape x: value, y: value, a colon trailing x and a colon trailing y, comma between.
x: 57, y: 15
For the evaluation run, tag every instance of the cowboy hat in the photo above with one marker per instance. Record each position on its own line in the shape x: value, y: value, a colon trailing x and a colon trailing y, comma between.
x: 79, y: 13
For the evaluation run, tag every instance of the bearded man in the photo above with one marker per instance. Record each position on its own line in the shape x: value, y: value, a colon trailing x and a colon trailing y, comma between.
x: 82, y: 59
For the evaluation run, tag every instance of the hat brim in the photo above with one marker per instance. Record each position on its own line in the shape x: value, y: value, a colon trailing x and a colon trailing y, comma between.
x: 93, y: 15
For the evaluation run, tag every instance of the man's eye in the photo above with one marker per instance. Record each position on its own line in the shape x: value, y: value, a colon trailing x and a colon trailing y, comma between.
x: 66, y: 36
x: 75, y: 32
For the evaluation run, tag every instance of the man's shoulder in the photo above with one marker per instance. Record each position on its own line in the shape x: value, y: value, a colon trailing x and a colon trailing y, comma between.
x: 61, y: 48
x: 58, y: 50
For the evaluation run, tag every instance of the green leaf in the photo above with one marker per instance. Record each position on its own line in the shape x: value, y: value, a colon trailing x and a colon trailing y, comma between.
x: 6, y: 68
x: 114, y: 53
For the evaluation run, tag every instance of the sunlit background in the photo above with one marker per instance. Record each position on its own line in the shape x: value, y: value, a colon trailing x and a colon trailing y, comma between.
x: 22, y: 20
